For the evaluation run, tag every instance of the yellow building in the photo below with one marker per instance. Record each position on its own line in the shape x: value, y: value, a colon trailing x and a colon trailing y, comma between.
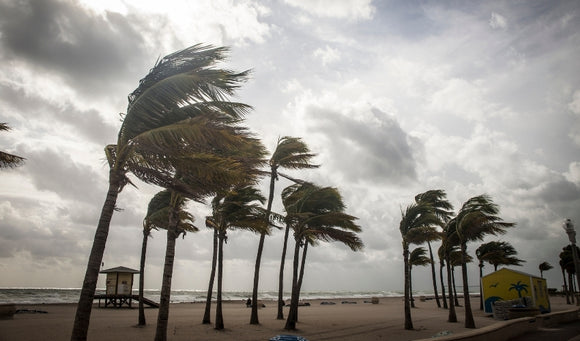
x: 506, y: 284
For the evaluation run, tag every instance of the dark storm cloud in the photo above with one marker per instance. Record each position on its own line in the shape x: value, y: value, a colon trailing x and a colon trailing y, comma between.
x: 375, y: 150
x: 90, y: 51
x: 84, y: 124
x: 60, y: 174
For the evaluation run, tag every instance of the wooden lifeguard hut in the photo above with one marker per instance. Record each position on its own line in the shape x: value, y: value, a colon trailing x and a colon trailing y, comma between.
x: 119, y: 287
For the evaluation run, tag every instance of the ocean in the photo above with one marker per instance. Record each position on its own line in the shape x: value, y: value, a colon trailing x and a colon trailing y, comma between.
x: 71, y: 295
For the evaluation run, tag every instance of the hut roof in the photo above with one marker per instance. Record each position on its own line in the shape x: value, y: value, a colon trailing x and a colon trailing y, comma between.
x: 511, y: 270
x: 120, y: 269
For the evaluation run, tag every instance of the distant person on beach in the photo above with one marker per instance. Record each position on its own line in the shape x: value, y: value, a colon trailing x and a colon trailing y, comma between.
x: 249, y: 302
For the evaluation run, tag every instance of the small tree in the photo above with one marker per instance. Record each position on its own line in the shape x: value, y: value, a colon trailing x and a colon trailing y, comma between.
x: 544, y: 266
x: 417, y: 257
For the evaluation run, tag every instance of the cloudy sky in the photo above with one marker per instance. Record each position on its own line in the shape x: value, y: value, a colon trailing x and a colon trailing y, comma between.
x: 395, y: 97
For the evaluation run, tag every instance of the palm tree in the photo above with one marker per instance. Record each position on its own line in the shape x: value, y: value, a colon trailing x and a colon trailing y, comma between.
x: 477, y: 218
x: 417, y: 257
x: 168, y: 212
x: 290, y: 153
x: 496, y: 253
x: 207, y: 314
x: 9, y: 160
x: 443, y: 210
x: 441, y: 255
x: 163, y: 113
x: 544, y: 266
x: 567, y: 265
x: 417, y: 221
x: 315, y: 214
x: 235, y: 209
x: 562, y: 263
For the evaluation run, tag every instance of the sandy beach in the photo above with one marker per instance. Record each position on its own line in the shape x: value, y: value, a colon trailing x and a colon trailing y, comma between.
x: 353, y: 321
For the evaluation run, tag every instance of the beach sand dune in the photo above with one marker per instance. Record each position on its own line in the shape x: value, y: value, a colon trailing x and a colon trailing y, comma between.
x: 360, y: 321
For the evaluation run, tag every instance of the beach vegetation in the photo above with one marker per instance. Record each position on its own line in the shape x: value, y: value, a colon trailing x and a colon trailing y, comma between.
x: 290, y: 153
x: 8, y: 160
x: 443, y: 210
x: 495, y: 253
x: 238, y: 208
x: 417, y: 220
x: 179, y: 111
x: 417, y: 257
x: 315, y: 214
x: 544, y: 266
x: 477, y: 218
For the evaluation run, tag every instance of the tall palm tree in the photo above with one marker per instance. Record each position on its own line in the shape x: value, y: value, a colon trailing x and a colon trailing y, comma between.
x: 168, y: 212
x: 477, y: 218
x: 209, y: 222
x: 236, y: 209
x: 315, y: 214
x: 417, y: 221
x: 9, y: 160
x: 496, y: 253
x: 441, y: 255
x: 443, y: 210
x: 544, y: 266
x: 290, y: 153
x: 417, y: 257
x: 163, y: 112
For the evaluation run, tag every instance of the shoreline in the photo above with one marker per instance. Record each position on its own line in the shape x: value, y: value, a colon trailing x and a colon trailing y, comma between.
x: 338, y: 321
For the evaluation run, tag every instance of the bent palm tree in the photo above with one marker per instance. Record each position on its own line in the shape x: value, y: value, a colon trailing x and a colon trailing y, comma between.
x: 417, y: 257
x: 163, y: 113
x: 544, y: 266
x: 477, y: 218
x: 235, y: 209
x: 290, y: 153
x: 496, y: 253
x: 9, y: 160
x: 443, y: 210
x: 315, y: 214
x: 417, y: 221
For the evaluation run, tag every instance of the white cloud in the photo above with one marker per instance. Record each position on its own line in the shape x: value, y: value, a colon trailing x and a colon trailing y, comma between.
x: 328, y: 55
x: 340, y: 9
x: 574, y: 105
x: 497, y: 21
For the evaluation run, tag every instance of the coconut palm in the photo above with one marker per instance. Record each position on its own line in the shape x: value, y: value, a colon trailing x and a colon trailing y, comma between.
x: 417, y: 257
x: 9, y: 160
x: 238, y: 208
x: 443, y: 210
x: 544, y: 266
x: 290, y: 153
x: 417, y: 221
x: 315, y: 214
x: 146, y: 234
x: 567, y: 265
x: 169, y: 113
x: 519, y: 287
x: 207, y: 313
x: 496, y: 253
x: 441, y: 255
x: 477, y: 218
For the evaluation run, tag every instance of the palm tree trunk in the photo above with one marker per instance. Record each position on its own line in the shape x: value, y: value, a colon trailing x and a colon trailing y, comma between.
x: 292, y: 313
x: 452, y: 315
x: 433, y: 275
x: 83, y: 313
x: 480, y: 287
x: 207, y: 313
x: 219, y: 318
x: 469, y: 321
x: 408, y: 321
x: 165, y: 296
x: 441, y: 265
x: 254, y: 315
x: 142, y: 321
x: 565, y: 286
x: 411, y: 286
x: 455, y: 298
x: 281, y: 275
x: 301, y: 277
